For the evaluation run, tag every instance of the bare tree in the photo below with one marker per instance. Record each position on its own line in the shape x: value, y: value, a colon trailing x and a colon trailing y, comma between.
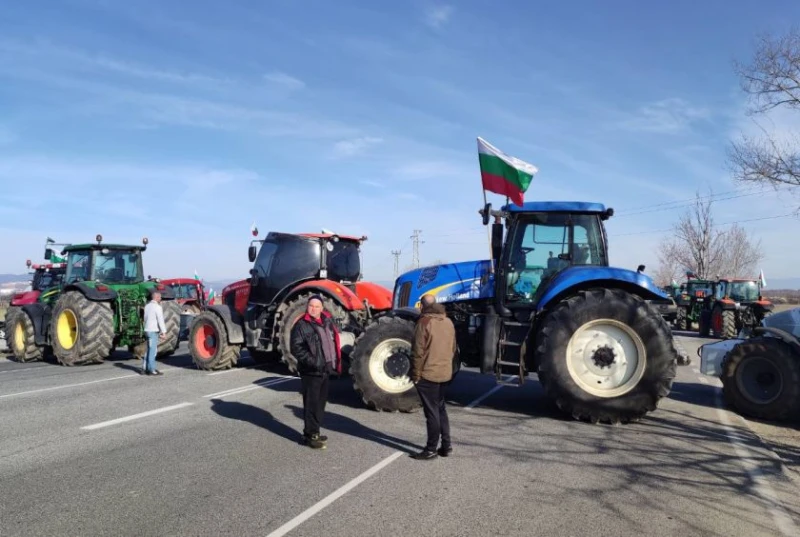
x: 772, y: 81
x: 699, y: 246
x: 667, y: 272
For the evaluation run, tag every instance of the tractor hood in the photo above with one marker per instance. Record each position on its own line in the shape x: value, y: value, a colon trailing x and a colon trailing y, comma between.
x: 26, y: 297
x: 788, y: 321
x: 451, y: 282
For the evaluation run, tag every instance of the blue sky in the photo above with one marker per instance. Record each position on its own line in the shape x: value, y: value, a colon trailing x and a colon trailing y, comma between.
x: 185, y: 122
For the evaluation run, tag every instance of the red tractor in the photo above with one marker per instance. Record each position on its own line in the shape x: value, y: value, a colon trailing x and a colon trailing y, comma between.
x: 46, y: 280
x: 190, y: 294
x: 259, y: 313
x: 737, y: 305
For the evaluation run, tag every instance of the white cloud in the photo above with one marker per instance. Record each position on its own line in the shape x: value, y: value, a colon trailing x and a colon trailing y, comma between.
x: 355, y: 146
x: 438, y: 16
x: 284, y: 80
x: 667, y: 116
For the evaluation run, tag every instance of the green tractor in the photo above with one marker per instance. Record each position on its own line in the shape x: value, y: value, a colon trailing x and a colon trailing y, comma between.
x: 691, y: 300
x: 99, y: 307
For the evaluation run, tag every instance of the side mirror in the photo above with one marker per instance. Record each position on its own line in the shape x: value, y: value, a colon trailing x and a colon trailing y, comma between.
x: 486, y: 210
x: 48, y: 253
x: 640, y: 268
x: 251, y: 253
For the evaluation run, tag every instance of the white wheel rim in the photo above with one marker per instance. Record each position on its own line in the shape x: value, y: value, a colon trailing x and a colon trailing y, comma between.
x: 377, y: 363
x: 629, y: 358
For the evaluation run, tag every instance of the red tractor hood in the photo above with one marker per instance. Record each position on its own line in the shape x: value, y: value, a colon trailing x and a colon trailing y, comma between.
x: 27, y: 297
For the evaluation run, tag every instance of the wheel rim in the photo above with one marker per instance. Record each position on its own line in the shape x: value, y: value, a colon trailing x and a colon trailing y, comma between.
x: 606, y: 358
x: 19, y: 336
x: 759, y: 381
x: 67, y: 329
x: 389, y: 365
x: 205, y: 341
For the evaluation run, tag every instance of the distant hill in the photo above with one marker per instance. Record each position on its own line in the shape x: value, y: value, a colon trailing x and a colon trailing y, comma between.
x: 6, y: 278
x: 782, y: 283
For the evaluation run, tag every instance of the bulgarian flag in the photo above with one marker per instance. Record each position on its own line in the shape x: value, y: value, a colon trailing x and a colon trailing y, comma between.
x: 504, y: 174
x: 196, y: 276
x: 254, y: 229
x: 211, y: 296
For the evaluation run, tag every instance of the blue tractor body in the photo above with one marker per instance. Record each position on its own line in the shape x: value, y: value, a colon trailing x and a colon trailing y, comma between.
x: 547, y: 302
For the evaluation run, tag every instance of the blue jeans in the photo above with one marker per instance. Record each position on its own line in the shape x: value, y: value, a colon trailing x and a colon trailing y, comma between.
x: 152, y: 349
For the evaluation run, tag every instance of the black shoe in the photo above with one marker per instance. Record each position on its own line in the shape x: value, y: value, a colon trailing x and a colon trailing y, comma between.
x: 315, y: 441
x: 444, y: 451
x: 424, y: 455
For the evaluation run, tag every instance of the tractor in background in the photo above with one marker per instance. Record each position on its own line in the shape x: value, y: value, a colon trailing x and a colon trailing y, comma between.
x: 736, y: 305
x: 190, y: 294
x: 548, y: 303
x: 259, y: 313
x: 98, y: 307
x: 691, y: 300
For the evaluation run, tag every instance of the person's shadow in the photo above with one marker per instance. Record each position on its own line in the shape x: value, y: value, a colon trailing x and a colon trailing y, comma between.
x: 256, y: 416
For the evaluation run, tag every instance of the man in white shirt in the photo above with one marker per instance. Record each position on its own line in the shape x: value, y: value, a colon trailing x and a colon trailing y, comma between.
x: 154, y: 330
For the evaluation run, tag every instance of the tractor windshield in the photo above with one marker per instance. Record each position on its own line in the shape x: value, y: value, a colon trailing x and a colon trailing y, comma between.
x: 118, y: 266
x: 743, y: 291
x: 185, y: 291
x: 547, y: 243
x: 45, y: 279
x: 699, y: 289
x: 344, y: 261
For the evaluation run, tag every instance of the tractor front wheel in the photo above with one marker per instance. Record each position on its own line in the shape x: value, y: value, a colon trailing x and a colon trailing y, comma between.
x: 20, y: 336
x: 607, y: 356
x: 681, y: 323
x: 761, y: 379
x: 208, y: 343
x: 172, y: 322
x: 82, y: 331
x: 723, y: 323
x: 380, y: 365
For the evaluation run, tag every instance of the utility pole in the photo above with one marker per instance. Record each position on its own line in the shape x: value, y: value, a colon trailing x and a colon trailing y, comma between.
x: 417, y: 242
x: 396, y: 254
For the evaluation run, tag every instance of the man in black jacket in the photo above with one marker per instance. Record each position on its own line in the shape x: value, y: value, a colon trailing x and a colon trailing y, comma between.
x: 315, y: 345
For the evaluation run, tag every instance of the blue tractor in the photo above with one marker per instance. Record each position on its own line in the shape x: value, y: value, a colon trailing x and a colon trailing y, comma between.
x: 547, y: 303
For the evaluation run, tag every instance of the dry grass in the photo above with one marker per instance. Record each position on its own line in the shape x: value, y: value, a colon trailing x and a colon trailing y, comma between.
x: 784, y: 307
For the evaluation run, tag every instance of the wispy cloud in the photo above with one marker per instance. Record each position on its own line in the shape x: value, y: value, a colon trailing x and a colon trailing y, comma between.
x: 355, y: 146
x: 285, y: 81
x: 667, y: 116
x: 374, y: 184
x: 438, y: 16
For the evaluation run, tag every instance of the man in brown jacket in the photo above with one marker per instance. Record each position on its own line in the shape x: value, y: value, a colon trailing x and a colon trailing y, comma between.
x: 433, y: 351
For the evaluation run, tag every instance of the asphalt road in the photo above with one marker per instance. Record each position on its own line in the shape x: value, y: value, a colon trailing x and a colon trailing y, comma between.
x: 100, y: 450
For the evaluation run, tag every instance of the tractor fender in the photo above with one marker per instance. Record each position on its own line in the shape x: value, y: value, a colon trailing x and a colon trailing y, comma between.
x: 725, y: 304
x: 233, y: 320
x: 787, y: 338
x: 167, y: 293
x: 408, y: 314
x: 335, y: 290
x: 764, y: 305
x: 575, y: 279
x: 92, y: 293
x: 40, y: 317
x: 379, y: 297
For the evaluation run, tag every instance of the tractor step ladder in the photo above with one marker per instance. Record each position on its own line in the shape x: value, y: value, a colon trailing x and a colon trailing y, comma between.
x: 512, y: 336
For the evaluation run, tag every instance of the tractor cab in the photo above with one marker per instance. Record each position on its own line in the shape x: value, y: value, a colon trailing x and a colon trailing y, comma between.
x: 286, y: 260
x: 544, y: 241
x: 738, y: 290
x: 112, y: 264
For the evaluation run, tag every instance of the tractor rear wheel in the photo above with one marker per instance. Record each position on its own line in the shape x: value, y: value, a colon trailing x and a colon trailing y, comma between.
x: 761, y: 379
x: 20, y: 336
x: 263, y: 357
x: 82, y: 331
x: 208, y: 343
x: 723, y: 323
x: 380, y: 365
x: 681, y: 323
x: 704, y: 323
x: 607, y: 356
x: 172, y: 322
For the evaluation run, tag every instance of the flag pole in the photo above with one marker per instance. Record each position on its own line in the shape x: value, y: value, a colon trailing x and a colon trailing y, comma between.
x: 485, y: 203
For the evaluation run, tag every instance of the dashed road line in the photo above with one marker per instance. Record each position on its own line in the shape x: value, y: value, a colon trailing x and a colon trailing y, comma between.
x: 134, y: 417
x: 241, y: 389
x: 40, y: 390
x: 480, y: 399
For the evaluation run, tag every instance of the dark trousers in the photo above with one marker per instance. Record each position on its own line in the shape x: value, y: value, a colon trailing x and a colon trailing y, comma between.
x: 435, y: 409
x: 315, y: 396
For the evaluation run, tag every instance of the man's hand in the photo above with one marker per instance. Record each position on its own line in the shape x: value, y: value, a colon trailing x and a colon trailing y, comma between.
x: 162, y: 336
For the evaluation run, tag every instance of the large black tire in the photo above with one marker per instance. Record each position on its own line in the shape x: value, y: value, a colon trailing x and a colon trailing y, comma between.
x: 723, y: 323
x: 620, y: 315
x: 172, y: 322
x: 761, y: 379
x: 379, y: 365
x: 208, y: 343
x: 263, y: 357
x: 704, y: 323
x: 20, y: 336
x: 681, y: 322
x: 87, y: 329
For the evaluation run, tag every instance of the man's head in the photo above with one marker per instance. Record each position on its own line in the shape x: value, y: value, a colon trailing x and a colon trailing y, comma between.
x: 427, y: 301
x: 155, y: 295
x: 314, y: 307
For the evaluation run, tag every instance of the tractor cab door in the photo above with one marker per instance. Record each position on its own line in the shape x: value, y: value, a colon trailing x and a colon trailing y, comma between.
x: 284, y: 261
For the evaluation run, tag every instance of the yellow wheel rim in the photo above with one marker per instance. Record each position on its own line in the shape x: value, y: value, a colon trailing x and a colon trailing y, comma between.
x: 19, y: 337
x: 67, y: 329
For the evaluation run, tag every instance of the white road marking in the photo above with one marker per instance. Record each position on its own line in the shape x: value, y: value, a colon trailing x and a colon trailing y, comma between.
x: 22, y: 369
x: 233, y: 370
x: 134, y: 417
x: 477, y: 401
x: 70, y: 385
x: 703, y: 380
x: 761, y: 485
x: 254, y: 386
x: 338, y: 493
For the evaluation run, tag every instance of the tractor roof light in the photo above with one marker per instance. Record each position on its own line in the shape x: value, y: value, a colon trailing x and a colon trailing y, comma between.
x: 363, y: 238
x: 28, y: 263
x: 145, y: 241
x: 99, y: 238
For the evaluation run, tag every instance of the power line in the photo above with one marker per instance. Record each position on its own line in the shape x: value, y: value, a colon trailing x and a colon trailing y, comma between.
x: 396, y: 254
x: 714, y: 225
x: 735, y: 191
x: 684, y: 205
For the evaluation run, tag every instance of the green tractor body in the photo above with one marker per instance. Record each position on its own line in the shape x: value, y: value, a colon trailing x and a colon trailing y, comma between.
x: 690, y: 302
x: 98, y: 307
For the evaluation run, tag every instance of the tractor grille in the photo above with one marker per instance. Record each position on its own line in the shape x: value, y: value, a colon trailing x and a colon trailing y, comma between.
x: 130, y: 309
